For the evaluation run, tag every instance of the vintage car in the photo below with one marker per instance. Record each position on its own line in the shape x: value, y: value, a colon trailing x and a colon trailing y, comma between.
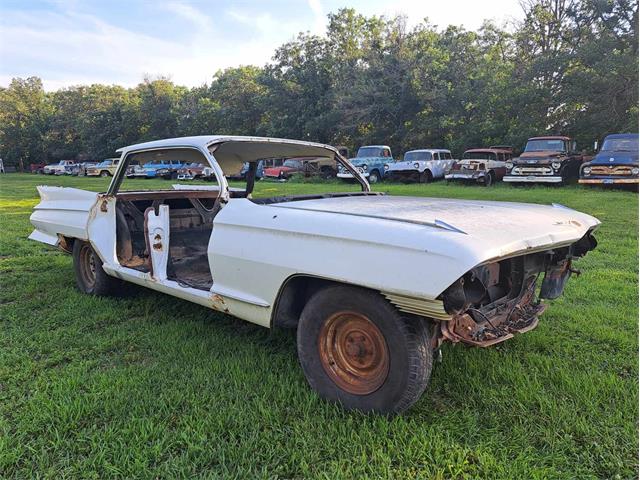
x: 59, y: 168
x: 37, y: 167
x: 369, y: 161
x: 397, y: 277
x: 551, y: 159
x: 164, y: 169
x: 480, y: 165
x: 307, y: 166
x: 191, y: 171
x: 421, y: 166
x: 615, y: 164
x: 105, y: 168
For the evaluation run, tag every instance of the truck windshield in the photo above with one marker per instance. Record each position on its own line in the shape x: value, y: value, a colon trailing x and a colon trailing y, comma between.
x: 416, y: 156
x: 620, y: 145
x: 369, y: 152
x: 545, y: 145
x: 479, y: 156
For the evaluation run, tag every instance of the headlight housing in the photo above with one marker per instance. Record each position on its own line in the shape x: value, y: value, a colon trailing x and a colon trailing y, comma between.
x: 634, y: 171
x: 416, y: 165
x: 508, y: 165
x: 386, y: 166
x: 360, y: 169
x: 556, y: 165
x: 364, y: 167
x: 586, y: 170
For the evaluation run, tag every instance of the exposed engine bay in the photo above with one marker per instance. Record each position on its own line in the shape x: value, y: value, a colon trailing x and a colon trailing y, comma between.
x: 493, y: 301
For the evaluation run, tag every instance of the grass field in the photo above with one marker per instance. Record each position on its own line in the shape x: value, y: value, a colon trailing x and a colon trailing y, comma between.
x: 148, y: 386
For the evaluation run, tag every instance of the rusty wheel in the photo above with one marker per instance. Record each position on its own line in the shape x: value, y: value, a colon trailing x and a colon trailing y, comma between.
x: 353, y: 352
x: 355, y: 348
x: 90, y: 277
x: 87, y: 265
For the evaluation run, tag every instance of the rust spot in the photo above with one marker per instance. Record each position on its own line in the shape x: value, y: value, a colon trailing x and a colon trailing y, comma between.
x: 157, y: 246
x: 157, y: 237
x: 103, y: 206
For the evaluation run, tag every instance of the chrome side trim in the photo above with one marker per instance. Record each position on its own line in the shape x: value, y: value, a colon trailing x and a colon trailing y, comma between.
x: 418, y: 306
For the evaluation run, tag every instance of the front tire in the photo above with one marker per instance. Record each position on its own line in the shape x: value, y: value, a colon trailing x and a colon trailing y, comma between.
x: 104, y: 173
x: 356, y: 349
x: 90, y: 277
x: 425, y: 177
x: 374, y: 177
x: 489, y: 179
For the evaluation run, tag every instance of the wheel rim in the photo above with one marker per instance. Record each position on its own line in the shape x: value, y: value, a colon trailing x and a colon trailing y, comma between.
x: 353, y: 353
x: 87, y: 266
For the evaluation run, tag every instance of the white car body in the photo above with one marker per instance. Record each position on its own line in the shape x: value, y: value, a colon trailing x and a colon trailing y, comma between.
x: 437, y: 166
x: 409, y: 249
x: 59, y: 168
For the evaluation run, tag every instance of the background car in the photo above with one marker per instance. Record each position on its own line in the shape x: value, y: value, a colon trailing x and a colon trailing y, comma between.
x: 615, y: 163
x: 480, y: 165
x: 106, y: 168
x: 421, y: 165
x: 370, y: 161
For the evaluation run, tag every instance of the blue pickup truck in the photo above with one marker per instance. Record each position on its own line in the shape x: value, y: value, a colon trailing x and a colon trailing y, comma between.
x: 615, y: 164
x: 370, y: 161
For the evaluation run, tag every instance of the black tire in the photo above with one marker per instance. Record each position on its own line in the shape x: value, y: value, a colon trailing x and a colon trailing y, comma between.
x: 90, y: 277
x: 105, y: 173
x: 374, y: 177
x: 489, y: 179
x: 407, y: 345
x: 425, y: 177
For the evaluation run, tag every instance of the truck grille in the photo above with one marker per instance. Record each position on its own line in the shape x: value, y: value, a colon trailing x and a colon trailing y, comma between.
x: 611, y: 170
x: 524, y: 170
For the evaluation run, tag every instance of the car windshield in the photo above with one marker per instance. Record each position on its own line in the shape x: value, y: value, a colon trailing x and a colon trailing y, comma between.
x: 545, y: 145
x: 415, y: 156
x: 104, y: 163
x: 479, y: 156
x: 292, y: 163
x: 620, y: 145
x: 369, y: 152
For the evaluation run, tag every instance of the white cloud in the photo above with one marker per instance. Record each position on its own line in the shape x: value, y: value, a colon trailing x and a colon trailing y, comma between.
x: 319, y: 18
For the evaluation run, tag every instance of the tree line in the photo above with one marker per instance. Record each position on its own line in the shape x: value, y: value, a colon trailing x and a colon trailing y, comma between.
x: 568, y: 66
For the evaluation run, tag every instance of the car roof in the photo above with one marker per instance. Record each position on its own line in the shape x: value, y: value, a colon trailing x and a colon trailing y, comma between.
x: 428, y: 150
x: 233, y: 150
x: 551, y: 137
x: 491, y: 150
x: 622, y: 135
x: 375, y: 146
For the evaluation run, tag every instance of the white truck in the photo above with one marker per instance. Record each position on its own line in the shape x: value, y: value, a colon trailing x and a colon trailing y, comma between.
x: 397, y: 276
x: 422, y: 165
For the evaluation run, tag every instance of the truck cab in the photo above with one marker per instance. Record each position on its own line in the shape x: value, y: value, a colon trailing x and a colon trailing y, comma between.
x: 370, y: 161
x: 550, y: 159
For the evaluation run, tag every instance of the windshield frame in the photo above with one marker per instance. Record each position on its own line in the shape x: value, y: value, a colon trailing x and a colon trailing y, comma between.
x: 620, y: 140
x: 429, y: 156
x: 546, y: 141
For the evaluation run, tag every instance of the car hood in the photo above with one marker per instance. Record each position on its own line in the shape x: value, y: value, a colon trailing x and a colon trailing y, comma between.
x: 472, y: 161
x: 403, y: 164
x: 496, y: 229
x: 367, y: 160
x: 615, y: 158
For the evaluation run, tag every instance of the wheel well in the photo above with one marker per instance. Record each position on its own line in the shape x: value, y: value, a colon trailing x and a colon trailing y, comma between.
x: 66, y: 243
x: 294, y: 294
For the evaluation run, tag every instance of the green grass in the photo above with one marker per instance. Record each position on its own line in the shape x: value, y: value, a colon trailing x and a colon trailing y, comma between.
x: 148, y: 386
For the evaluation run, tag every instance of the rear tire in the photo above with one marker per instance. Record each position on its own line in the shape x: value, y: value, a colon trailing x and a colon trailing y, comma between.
x: 356, y: 349
x: 90, y: 277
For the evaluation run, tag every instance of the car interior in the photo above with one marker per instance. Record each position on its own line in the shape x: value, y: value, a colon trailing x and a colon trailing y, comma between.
x: 189, y: 208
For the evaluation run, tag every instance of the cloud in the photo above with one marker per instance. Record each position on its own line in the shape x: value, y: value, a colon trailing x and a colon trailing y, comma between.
x: 320, y: 20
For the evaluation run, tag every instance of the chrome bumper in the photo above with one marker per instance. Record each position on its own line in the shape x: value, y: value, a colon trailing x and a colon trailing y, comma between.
x: 532, y: 178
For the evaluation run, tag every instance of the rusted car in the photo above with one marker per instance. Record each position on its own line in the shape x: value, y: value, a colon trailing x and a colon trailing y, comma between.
x: 480, y: 165
x: 615, y: 164
x: 307, y: 166
x: 551, y: 159
x: 106, y: 168
x: 397, y: 277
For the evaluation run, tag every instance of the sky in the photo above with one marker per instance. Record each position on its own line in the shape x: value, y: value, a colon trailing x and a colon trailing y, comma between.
x: 73, y: 42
